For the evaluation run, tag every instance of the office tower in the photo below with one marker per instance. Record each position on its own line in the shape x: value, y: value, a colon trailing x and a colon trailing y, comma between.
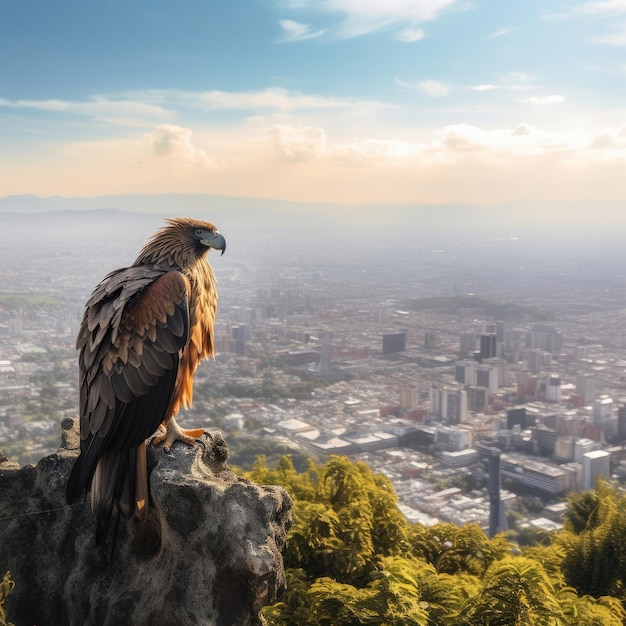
x: 516, y: 417
x: 430, y: 340
x: 497, y: 518
x: 534, y: 360
x: 500, y: 330
x: 394, y: 342
x: 582, y: 446
x: 456, y: 411
x: 467, y: 344
x: 503, y: 370
x: 449, y: 404
x: 409, y: 398
x: 595, y: 463
x: 477, y: 398
x: 465, y: 372
x: 553, y: 388
x: 586, y: 387
x: 487, y: 376
x: 602, y: 409
x: 488, y: 346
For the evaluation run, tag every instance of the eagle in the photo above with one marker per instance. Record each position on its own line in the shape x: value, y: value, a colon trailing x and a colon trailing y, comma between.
x: 144, y: 332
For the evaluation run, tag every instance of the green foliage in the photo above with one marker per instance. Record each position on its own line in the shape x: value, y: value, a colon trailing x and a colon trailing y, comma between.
x: 6, y: 586
x: 351, y: 558
x: 594, y: 540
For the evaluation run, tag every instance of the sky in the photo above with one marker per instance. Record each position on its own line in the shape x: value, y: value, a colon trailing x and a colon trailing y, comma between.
x: 347, y: 101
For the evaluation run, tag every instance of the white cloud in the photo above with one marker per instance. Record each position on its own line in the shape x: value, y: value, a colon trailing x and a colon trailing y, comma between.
x: 111, y: 109
x: 500, y: 32
x: 543, y: 100
x: 616, y: 38
x: 174, y: 142
x: 432, y: 88
x: 521, y: 130
x: 274, y: 98
x: 604, y: 7
x: 409, y: 35
x: 296, y: 31
x: 361, y: 17
x: 491, y: 87
x: 298, y: 144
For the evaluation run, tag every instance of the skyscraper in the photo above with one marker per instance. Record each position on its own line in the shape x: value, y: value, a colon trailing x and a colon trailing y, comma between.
x: 595, y: 463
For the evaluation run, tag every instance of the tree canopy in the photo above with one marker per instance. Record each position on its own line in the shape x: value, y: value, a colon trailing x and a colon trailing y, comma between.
x: 352, y: 558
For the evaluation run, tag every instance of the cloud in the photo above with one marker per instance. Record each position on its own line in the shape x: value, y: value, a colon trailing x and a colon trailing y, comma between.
x: 543, y: 100
x: 174, y: 143
x: 409, y: 35
x: 300, y: 144
x: 604, y: 7
x: 361, y: 17
x: 296, y: 31
x: 113, y: 110
x: 491, y: 87
x: 521, y: 130
x: 501, y: 32
x: 432, y: 88
x: 274, y: 98
x: 616, y: 38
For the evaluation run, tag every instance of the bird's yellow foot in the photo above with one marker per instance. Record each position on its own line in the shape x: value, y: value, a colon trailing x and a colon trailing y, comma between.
x: 170, y: 431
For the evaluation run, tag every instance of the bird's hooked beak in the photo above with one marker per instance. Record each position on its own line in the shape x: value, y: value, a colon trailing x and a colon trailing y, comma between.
x: 214, y: 239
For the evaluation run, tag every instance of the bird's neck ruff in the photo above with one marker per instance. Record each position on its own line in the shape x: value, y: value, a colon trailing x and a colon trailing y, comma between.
x: 173, y: 246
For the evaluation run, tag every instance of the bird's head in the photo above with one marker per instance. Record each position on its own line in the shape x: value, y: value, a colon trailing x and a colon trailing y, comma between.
x: 181, y: 242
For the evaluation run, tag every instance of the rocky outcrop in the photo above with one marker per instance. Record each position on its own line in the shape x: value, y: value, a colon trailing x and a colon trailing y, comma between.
x: 208, y: 553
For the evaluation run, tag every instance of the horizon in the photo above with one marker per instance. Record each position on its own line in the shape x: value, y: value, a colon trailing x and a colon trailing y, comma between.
x: 413, y: 103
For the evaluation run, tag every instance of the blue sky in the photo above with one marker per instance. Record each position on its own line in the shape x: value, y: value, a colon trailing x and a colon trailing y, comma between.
x: 420, y: 101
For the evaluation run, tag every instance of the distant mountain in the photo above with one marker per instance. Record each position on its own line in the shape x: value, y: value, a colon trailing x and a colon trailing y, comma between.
x: 406, y: 222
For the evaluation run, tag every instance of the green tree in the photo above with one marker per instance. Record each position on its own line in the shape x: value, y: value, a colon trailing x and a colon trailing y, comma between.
x: 516, y: 591
x: 594, y: 541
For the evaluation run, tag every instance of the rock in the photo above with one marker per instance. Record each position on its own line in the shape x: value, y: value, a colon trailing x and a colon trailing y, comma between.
x: 208, y: 553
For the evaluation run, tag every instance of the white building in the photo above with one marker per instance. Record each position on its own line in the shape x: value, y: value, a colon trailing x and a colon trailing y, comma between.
x: 602, y: 409
x: 595, y: 463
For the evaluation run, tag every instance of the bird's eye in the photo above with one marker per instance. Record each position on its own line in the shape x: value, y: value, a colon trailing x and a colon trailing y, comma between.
x: 199, y: 232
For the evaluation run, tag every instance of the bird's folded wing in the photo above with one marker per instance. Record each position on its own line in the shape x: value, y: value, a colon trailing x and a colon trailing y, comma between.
x: 135, y: 325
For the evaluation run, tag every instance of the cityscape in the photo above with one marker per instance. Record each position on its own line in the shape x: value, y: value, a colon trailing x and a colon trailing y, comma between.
x: 420, y: 359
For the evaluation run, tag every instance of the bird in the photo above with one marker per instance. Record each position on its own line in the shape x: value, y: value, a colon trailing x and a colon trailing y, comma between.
x: 144, y: 332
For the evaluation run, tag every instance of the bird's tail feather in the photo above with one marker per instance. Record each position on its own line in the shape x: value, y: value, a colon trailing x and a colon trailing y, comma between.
x: 120, y: 480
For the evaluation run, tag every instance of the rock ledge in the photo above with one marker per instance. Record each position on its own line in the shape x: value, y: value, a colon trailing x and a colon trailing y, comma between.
x: 208, y: 553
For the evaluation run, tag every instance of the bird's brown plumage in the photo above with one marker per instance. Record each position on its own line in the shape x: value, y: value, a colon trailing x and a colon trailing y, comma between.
x: 145, y: 330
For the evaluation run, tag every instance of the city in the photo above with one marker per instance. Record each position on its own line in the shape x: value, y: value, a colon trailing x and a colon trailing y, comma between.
x: 419, y: 360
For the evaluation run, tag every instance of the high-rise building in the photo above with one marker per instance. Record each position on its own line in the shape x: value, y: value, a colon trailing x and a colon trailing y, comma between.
x: 586, y: 387
x: 488, y: 346
x: 595, y: 463
x: 553, y: 388
x: 534, y: 360
x: 516, y: 417
x: 409, y: 398
x: 467, y: 344
x: 582, y: 446
x: 449, y: 404
x: 465, y: 372
x: 394, y: 342
x: 430, y: 340
x: 503, y: 370
x: 477, y: 398
x: 602, y: 409
x: 487, y: 376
